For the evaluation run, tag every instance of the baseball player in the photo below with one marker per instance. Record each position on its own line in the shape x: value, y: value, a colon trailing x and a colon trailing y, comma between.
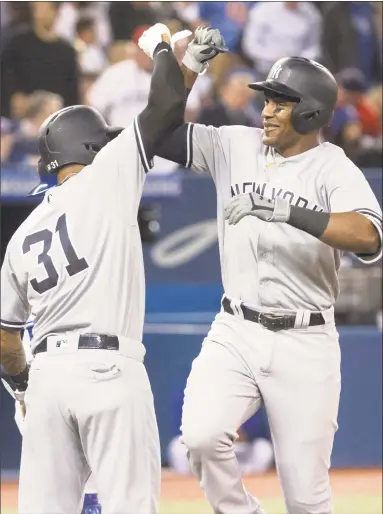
x: 76, y: 265
x: 287, y: 207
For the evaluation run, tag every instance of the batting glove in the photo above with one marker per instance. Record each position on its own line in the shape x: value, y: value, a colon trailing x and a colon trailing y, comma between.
x: 206, y: 45
x: 254, y: 204
x: 152, y: 37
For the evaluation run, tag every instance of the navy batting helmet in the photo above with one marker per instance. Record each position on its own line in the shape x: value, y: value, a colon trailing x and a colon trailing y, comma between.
x: 72, y: 135
x: 309, y: 84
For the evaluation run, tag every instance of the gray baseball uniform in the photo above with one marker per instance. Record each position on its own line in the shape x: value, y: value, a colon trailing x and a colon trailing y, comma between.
x: 271, y: 268
x: 77, y: 262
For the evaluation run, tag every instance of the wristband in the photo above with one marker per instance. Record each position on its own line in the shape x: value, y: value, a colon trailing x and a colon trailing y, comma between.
x: 312, y: 222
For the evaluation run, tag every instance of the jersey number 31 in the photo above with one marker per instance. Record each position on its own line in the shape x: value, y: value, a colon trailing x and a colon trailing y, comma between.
x: 75, y: 264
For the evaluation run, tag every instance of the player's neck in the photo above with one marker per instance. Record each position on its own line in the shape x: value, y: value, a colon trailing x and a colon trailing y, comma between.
x: 65, y: 173
x: 304, y: 144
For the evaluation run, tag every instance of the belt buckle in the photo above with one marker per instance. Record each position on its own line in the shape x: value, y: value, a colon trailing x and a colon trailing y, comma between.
x: 269, y: 322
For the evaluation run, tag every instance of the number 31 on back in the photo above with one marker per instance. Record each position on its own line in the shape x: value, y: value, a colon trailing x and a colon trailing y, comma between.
x: 75, y: 264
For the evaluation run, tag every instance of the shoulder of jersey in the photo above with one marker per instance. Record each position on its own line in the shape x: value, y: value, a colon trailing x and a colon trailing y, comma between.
x: 334, y: 151
x: 240, y: 131
x: 335, y: 161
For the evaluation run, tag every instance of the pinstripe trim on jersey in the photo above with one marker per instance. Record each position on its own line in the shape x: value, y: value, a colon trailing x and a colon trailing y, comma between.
x: 370, y: 212
x: 376, y: 220
x: 189, y: 146
x: 141, y: 149
x: 11, y: 324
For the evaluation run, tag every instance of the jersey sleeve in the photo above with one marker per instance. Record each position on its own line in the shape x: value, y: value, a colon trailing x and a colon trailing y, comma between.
x: 348, y: 190
x: 14, y: 302
x: 195, y: 146
x: 204, y: 147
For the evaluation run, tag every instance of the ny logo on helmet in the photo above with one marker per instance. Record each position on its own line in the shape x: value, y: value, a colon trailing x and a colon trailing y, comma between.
x: 275, y: 71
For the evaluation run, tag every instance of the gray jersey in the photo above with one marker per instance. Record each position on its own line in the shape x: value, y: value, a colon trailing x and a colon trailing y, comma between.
x: 76, y: 263
x: 273, y: 266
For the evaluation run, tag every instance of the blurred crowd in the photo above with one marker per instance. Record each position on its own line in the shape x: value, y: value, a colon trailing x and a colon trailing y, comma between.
x: 57, y: 54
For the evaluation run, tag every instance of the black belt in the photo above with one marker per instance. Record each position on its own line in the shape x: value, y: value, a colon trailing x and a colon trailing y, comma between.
x: 272, y: 322
x: 86, y: 342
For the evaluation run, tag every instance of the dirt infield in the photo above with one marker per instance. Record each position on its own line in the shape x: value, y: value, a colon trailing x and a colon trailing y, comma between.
x: 178, y: 488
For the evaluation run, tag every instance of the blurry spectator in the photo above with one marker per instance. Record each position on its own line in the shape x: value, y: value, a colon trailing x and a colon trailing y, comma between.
x: 354, y: 86
x: 345, y: 129
x: 188, y: 12
x: 91, y: 57
x: 234, y: 103
x: 349, y: 39
x: 35, y: 59
x: 374, y: 98
x: 41, y: 104
x: 4, y: 21
x: 70, y: 12
x: 201, y: 96
x: 356, y: 124
x: 14, y: 15
x: 228, y: 17
x: 121, y: 92
x: 7, y: 139
x: 281, y: 29
x: 86, y: 82
x: 126, y: 17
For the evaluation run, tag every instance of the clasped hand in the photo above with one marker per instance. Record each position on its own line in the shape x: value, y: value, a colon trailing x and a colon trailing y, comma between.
x: 254, y: 204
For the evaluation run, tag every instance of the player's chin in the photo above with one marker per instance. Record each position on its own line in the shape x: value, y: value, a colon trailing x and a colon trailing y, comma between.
x: 269, y: 140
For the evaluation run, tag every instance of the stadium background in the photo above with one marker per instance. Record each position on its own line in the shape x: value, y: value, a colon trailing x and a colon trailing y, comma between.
x: 177, y: 216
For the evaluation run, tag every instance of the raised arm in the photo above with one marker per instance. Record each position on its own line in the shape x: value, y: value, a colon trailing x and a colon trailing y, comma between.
x: 206, y: 45
x: 167, y: 96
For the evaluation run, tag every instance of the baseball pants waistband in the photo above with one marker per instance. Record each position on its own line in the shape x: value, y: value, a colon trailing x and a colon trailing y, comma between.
x: 272, y: 321
x: 68, y: 343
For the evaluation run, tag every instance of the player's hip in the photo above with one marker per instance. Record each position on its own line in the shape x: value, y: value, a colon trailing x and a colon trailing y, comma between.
x: 102, y: 376
x: 246, y: 333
